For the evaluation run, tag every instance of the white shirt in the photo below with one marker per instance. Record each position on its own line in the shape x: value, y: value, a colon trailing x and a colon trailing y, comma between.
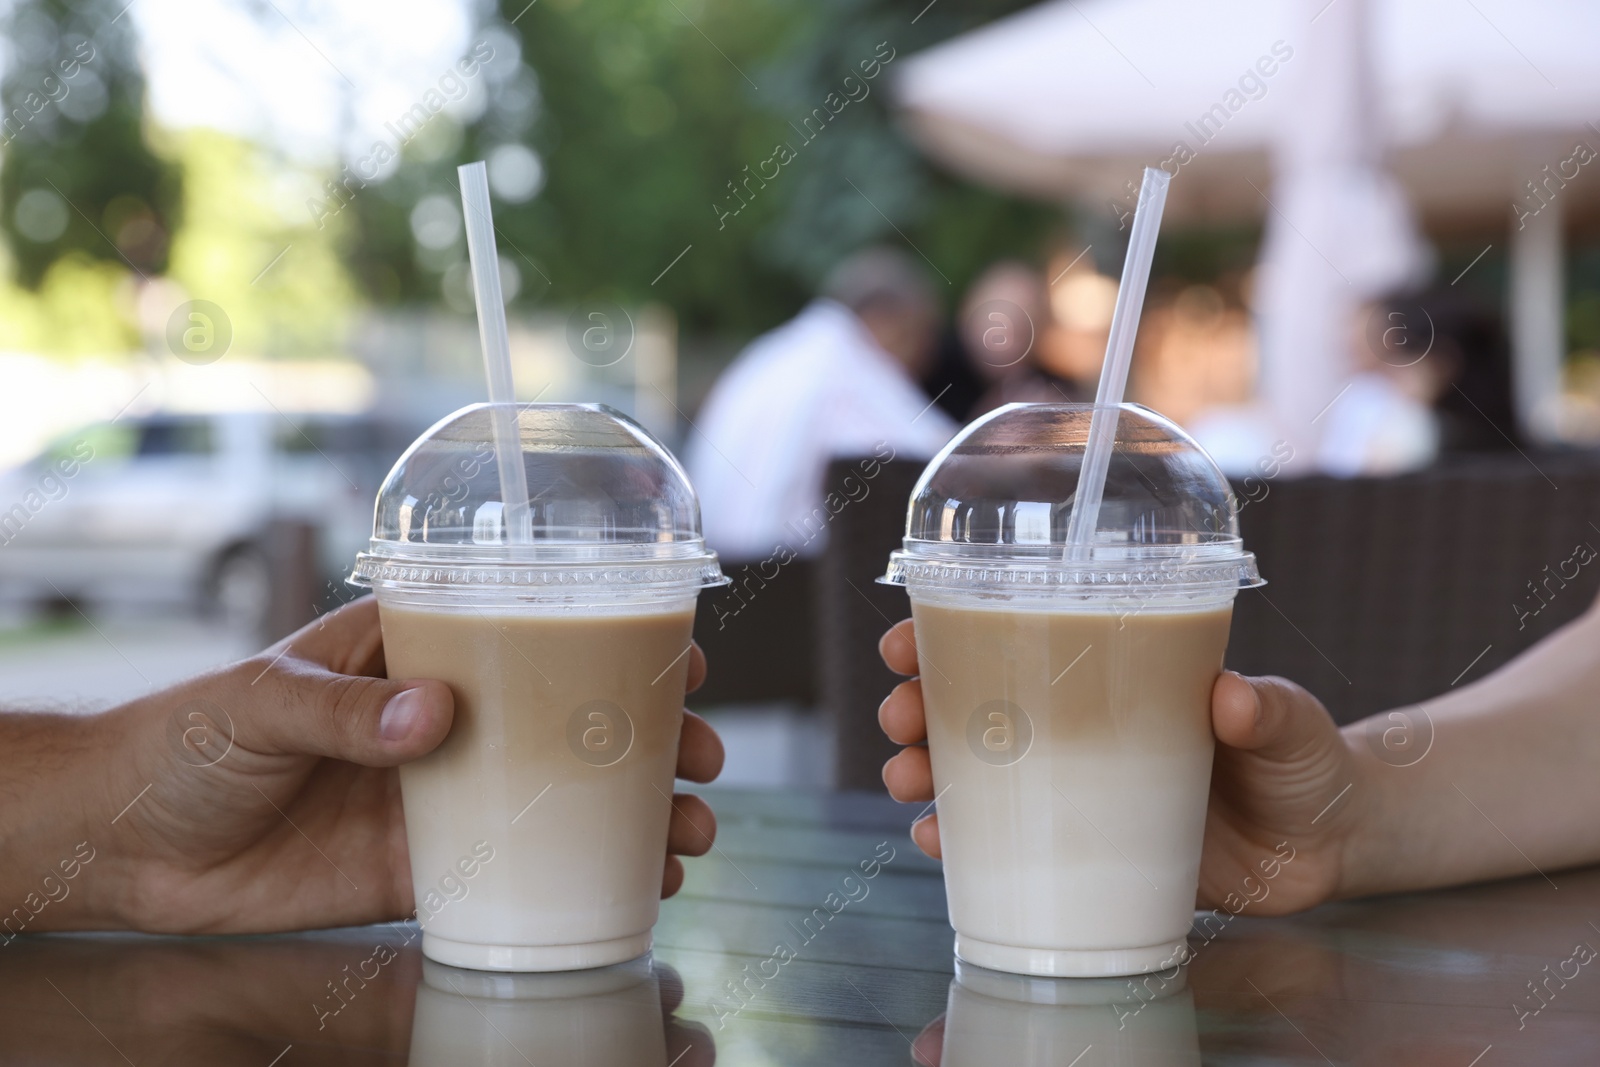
x: 816, y: 388
x: 1376, y: 428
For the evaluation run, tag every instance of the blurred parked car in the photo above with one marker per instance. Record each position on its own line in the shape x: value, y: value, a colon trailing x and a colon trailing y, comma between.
x: 176, y: 507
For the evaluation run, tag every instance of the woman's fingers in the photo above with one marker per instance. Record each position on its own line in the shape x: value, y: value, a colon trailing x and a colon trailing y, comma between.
x: 898, y: 648
x: 901, y: 714
x: 909, y: 775
x: 700, y: 751
x: 928, y: 1049
x: 1272, y: 717
x: 1235, y: 709
x: 693, y: 826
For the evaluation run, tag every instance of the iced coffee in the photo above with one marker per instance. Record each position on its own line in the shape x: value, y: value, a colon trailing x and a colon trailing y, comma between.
x: 537, y: 830
x: 1068, y: 692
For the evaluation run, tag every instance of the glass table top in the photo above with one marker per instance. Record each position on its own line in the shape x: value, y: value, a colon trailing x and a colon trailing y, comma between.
x: 770, y: 956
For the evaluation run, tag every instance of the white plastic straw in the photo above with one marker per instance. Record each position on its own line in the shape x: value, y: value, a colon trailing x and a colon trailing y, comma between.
x: 497, y: 349
x: 1085, y: 517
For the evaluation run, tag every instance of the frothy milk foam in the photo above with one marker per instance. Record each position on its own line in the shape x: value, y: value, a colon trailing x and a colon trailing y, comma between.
x: 562, y: 758
x: 1096, y: 727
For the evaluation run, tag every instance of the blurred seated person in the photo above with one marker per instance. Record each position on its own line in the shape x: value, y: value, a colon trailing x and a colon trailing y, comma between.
x: 950, y: 379
x: 1003, y: 317
x: 1071, y: 319
x: 836, y: 381
x: 1384, y: 421
x: 1475, y: 409
x: 1196, y: 351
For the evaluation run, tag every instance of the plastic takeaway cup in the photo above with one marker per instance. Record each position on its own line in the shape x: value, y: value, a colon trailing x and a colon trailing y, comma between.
x: 538, y: 829
x: 1068, y: 692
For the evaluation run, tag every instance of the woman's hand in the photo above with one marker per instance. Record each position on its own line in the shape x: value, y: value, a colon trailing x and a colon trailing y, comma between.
x: 1279, y: 779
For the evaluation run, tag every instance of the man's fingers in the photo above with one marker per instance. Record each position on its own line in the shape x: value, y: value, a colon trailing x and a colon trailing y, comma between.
x: 697, y: 668
x: 670, y: 983
x: 693, y: 826
x: 909, y: 775
x: 689, y: 1044
x: 925, y: 833
x: 671, y: 877
x: 901, y: 714
x: 700, y: 751
x: 346, y: 641
x: 1271, y: 717
x: 898, y: 648
x: 296, y: 707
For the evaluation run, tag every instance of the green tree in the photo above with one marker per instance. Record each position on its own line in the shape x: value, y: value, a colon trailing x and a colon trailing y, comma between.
x: 644, y: 111
x: 861, y: 180
x: 254, y: 253
x: 79, y: 178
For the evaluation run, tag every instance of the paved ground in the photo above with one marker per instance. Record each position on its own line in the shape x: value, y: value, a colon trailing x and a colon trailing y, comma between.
x: 87, y: 664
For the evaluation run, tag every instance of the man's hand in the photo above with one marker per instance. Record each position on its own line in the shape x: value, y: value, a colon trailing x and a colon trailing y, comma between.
x: 263, y: 796
x: 1281, y: 764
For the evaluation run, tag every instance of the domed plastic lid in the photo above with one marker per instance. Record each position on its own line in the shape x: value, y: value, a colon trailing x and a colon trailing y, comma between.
x: 990, y: 511
x: 606, y: 504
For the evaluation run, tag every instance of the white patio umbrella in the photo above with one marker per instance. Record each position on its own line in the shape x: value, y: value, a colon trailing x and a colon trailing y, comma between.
x: 1470, y: 100
x: 1339, y: 232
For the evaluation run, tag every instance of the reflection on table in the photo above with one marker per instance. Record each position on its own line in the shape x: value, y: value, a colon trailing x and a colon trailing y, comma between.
x: 610, y: 1015
x: 345, y: 996
x: 1046, y: 1022
x: 769, y: 956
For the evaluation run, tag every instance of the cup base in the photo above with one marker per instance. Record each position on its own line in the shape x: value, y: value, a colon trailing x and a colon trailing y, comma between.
x: 1068, y: 963
x: 480, y: 957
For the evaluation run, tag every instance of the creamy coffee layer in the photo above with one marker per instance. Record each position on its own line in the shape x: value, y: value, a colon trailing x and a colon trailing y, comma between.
x: 1072, y: 758
x: 561, y: 757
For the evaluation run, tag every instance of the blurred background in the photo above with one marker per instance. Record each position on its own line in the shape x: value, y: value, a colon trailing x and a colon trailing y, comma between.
x: 234, y: 286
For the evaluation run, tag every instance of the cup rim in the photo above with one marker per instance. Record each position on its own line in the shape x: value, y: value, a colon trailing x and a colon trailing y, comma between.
x: 562, y: 565
x: 1180, y: 571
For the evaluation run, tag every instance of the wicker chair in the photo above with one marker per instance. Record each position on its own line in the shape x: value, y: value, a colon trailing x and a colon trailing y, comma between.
x: 1383, y: 591
x: 758, y: 636
x: 1387, y: 591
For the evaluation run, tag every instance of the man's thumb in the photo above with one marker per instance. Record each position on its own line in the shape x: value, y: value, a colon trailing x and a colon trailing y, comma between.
x: 376, y: 722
